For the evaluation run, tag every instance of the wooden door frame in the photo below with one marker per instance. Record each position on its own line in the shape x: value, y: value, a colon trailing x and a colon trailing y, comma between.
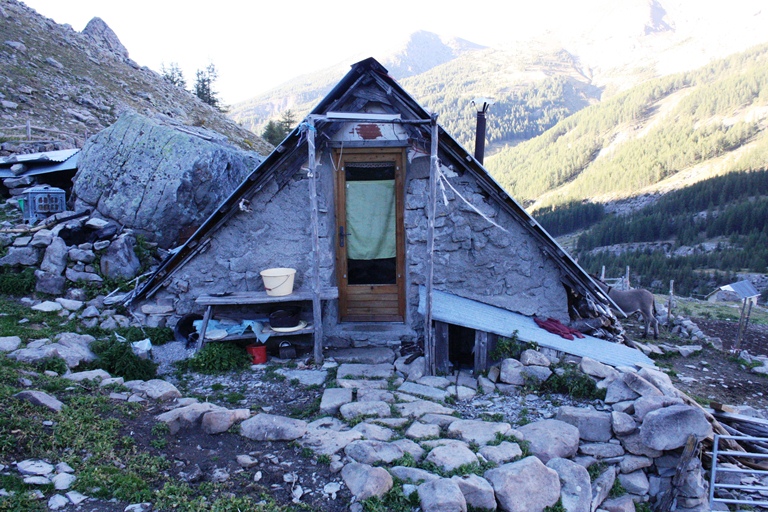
x: 340, y: 156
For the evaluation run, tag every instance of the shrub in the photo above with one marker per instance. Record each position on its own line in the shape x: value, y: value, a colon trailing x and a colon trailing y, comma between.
x: 17, y: 284
x: 118, y: 359
x: 568, y: 380
x: 219, y: 358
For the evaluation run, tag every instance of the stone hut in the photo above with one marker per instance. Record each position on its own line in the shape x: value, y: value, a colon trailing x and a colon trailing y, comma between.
x: 346, y: 200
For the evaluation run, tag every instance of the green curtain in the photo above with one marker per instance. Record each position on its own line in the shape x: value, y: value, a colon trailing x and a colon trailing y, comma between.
x: 371, y: 220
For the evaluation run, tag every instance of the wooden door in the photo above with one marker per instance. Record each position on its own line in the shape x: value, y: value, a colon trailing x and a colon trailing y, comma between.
x: 370, y: 247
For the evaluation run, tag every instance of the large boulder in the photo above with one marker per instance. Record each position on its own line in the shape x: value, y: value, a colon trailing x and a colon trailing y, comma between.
x: 551, y: 438
x: 524, y: 486
x: 155, y: 179
x: 668, y: 428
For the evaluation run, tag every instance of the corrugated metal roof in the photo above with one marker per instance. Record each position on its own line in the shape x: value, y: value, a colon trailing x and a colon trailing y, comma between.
x: 744, y: 289
x: 469, y: 313
x: 48, y: 156
x: 44, y: 166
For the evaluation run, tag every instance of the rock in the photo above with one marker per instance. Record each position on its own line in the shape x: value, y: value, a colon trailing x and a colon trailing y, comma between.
x: 370, y: 355
x: 635, y: 445
x: 477, y: 431
x: 602, y: 450
x: 449, y: 458
x: 423, y: 391
x: 70, y: 305
x: 9, y: 343
x: 618, y: 391
x: 534, y: 357
x: 41, y: 399
x: 305, y: 377
x: 216, y: 422
x: 63, y: 481
x: 596, y: 369
x: 372, y: 452
x: 120, y: 260
x: 186, y: 416
x: 138, y: 162
x: 80, y: 255
x: 509, y: 372
x: 96, y: 375
x: 630, y: 463
x: 47, y: 306
x: 34, y: 467
x: 441, y: 495
x: 477, y: 492
x: 373, y: 432
x: 156, y: 389
x: 593, y: 425
x: 668, y: 428
x: 412, y: 475
x: 365, y: 371
x: 635, y: 482
x: 602, y: 486
x: 48, y: 283
x: 419, y: 430
x: 20, y: 256
x: 75, y: 497
x: 55, y: 257
x: 83, y: 277
x: 372, y: 395
x: 409, y: 446
x: 100, y: 32
x: 575, y: 486
x: 414, y: 370
x: 246, y: 461
x: 434, y: 381
x: 57, y: 502
x: 503, y: 453
x: 551, y: 438
x: 375, y: 408
x: 646, y: 404
x: 622, y: 423
x: 421, y: 407
x: 620, y: 504
x: 639, y: 385
x: 485, y: 385
x: 524, y: 486
x: 364, y: 481
x: 269, y: 427
x: 326, y: 437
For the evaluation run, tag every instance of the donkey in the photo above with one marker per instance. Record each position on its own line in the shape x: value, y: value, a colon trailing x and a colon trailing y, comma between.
x: 633, y: 301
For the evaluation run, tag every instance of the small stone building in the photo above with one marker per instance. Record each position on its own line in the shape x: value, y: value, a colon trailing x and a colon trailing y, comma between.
x: 345, y: 200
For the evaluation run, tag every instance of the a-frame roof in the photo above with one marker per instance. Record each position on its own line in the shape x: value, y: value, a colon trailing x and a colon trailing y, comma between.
x: 368, y: 81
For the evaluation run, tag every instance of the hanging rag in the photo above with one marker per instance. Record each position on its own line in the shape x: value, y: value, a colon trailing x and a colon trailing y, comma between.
x: 555, y: 327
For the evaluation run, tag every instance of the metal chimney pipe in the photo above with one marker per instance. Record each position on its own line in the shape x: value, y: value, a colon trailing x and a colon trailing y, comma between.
x: 481, y: 104
x: 480, y: 136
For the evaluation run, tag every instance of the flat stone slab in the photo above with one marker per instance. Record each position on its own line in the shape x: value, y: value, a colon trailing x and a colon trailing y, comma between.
x: 268, y: 427
x: 373, y: 355
x: 365, y: 371
x: 374, y: 408
x: 333, y: 399
x: 449, y: 457
x: 40, y: 399
x: 421, y: 407
x: 305, y: 377
x: 372, y: 452
x: 477, y: 431
x: 423, y: 391
x: 362, y: 383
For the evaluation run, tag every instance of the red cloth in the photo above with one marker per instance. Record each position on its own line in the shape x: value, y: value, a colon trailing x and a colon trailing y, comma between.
x: 555, y: 327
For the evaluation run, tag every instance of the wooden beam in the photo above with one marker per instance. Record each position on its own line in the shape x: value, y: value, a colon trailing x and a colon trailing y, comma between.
x: 317, y: 316
x: 481, y: 351
x: 429, y: 342
x: 441, y: 347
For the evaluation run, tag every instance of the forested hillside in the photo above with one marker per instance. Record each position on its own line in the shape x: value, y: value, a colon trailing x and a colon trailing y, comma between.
x: 645, y: 135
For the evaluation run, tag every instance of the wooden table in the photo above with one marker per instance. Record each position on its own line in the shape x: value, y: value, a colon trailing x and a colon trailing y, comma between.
x: 258, y: 298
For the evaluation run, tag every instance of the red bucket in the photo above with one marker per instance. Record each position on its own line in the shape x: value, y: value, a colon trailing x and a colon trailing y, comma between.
x: 258, y: 353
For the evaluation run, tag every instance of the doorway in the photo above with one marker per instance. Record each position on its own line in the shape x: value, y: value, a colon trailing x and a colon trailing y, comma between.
x: 370, y: 248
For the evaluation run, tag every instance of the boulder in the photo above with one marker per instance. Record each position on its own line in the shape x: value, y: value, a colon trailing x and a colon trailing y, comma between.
x: 333, y: 398
x: 20, y: 256
x: 41, y: 399
x: 593, y: 425
x: 372, y: 452
x: 524, y: 486
x: 477, y: 492
x: 216, y: 422
x: 364, y: 481
x: 575, y: 486
x: 269, y: 427
x: 50, y: 284
x: 534, y: 358
x: 9, y: 343
x: 668, y: 428
x: 441, y: 495
x: 551, y: 438
x: 120, y: 260
x: 502, y: 453
x: 100, y: 32
x: 378, y: 409
x: 450, y: 457
x: 55, y: 257
x: 477, y: 431
x: 155, y: 179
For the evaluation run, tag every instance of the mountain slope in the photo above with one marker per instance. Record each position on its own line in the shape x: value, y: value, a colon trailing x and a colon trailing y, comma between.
x: 75, y: 84
x: 639, y: 140
x: 419, y: 53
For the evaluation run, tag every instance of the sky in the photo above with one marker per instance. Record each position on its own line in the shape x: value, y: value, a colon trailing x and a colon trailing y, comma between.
x: 258, y: 45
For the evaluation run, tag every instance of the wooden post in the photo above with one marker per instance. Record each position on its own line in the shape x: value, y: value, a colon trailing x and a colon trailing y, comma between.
x: 441, y: 347
x: 481, y: 351
x: 602, y: 274
x: 669, y: 304
x: 317, y: 316
x: 626, y: 280
x: 29, y: 130
x: 429, y: 341
x: 743, y: 321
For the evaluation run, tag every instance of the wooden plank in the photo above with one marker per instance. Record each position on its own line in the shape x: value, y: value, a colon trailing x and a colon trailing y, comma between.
x: 372, y: 318
x: 367, y: 290
x: 204, y: 327
x: 242, y: 298
x: 481, y: 351
x: 429, y: 342
x: 372, y: 310
x: 442, y: 361
x: 316, y: 311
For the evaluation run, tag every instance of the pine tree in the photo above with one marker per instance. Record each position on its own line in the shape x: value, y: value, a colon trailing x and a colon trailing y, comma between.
x: 173, y: 74
x: 204, y: 79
